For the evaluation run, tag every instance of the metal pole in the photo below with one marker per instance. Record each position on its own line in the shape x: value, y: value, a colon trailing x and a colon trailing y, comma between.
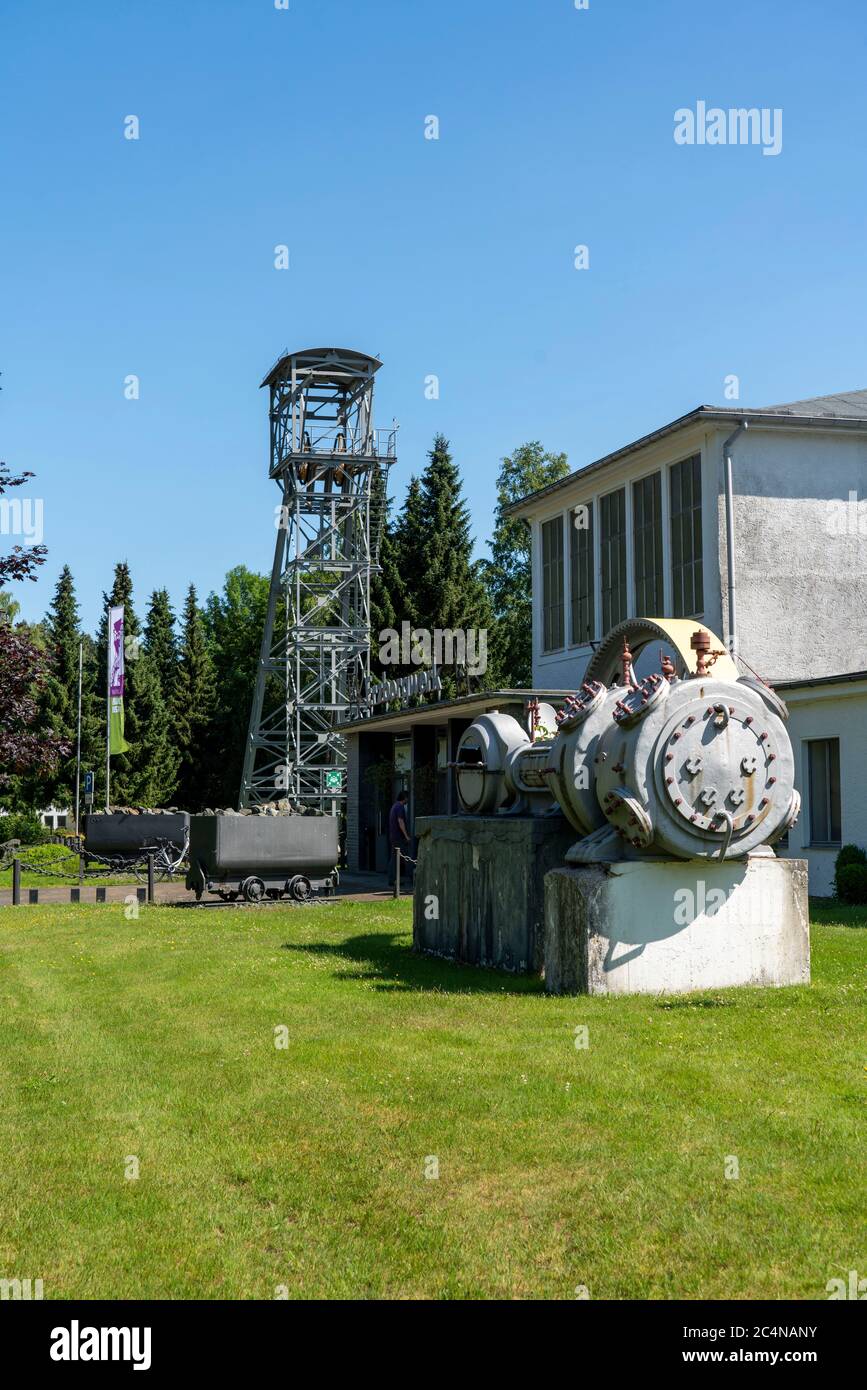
x: 78, y: 744
x: 108, y: 733
x: 150, y: 877
x: 397, y: 871
x: 16, y: 882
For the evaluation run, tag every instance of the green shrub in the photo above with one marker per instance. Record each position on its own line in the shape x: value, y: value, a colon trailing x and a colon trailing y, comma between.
x: 851, y: 882
x: 850, y: 854
x: 24, y: 826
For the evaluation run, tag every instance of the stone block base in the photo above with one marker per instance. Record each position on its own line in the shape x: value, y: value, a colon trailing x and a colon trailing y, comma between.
x: 479, y: 887
x: 673, y: 926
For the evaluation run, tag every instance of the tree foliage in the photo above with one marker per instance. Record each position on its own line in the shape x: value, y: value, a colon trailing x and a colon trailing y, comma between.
x: 508, y: 573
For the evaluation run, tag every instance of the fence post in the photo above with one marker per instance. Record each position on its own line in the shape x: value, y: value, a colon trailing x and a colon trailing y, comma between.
x: 16, y: 882
x: 397, y: 871
x: 150, y: 877
x: 80, y: 868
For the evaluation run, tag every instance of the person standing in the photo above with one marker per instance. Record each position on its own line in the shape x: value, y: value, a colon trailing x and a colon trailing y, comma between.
x: 398, y: 834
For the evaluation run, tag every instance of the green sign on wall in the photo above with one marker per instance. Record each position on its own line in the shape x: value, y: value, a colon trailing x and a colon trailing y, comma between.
x: 334, y: 781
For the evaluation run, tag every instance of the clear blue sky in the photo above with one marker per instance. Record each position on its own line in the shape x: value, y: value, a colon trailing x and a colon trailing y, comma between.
x: 455, y: 257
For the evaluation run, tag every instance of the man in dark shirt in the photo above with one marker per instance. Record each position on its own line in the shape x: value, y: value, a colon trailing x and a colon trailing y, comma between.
x: 398, y: 836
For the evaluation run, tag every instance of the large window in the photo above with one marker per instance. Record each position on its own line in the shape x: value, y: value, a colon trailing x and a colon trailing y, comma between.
x: 647, y: 530
x: 583, y: 623
x: 612, y: 549
x: 553, y: 614
x: 823, y: 764
x: 686, y: 557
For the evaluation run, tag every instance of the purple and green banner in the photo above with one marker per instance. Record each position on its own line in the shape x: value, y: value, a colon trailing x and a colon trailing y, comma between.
x: 116, y: 741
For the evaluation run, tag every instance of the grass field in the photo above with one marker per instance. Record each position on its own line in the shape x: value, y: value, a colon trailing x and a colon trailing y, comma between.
x: 304, y: 1166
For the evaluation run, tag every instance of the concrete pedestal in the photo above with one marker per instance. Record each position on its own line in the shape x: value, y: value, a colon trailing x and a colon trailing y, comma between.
x: 673, y: 926
x: 479, y: 887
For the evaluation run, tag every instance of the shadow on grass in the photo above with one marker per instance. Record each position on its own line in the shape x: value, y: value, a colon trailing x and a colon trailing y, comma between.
x: 387, y: 959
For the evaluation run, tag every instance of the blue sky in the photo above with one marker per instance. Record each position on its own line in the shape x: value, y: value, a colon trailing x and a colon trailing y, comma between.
x: 452, y: 257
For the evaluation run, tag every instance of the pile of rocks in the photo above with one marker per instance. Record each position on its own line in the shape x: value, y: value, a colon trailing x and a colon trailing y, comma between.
x: 284, y: 807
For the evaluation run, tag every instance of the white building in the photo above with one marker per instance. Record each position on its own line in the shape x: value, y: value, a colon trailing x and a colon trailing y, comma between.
x: 775, y: 563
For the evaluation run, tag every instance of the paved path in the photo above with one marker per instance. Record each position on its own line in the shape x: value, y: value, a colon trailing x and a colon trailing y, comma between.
x: 353, y: 887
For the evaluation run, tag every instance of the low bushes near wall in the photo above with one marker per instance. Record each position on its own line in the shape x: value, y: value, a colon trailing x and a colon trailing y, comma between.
x: 850, y: 875
x: 24, y: 826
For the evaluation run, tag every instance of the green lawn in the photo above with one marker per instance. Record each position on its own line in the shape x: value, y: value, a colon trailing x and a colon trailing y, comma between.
x: 305, y: 1166
x: 55, y: 866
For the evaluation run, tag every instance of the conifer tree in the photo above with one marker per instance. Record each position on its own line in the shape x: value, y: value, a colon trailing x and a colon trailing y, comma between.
x: 387, y: 596
x: 160, y: 641
x: 193, y: 709
x: 447, y: 587
x: 234, y: 621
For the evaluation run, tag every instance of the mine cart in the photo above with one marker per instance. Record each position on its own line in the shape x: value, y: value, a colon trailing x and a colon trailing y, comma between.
x: 253, y: 857
x: 127, y: 836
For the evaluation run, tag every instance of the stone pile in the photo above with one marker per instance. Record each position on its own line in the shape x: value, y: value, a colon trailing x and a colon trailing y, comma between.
x: 284, y: 807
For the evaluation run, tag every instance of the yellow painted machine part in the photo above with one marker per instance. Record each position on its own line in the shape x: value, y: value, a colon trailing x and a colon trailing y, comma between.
x: 676, y: 631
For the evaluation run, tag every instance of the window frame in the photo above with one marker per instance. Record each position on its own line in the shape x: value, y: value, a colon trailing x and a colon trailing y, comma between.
x: 605, y: 543
x: 831, y: 792
x: 678, y: 566
x: 589, y: 535
x: 546, y: 567
x: 655, y: 530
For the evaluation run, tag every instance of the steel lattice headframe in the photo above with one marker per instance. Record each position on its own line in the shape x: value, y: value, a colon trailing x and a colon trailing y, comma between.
x: 331, y: 466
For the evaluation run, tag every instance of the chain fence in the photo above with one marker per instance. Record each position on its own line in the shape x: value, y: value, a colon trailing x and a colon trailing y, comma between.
x: 168, y: 861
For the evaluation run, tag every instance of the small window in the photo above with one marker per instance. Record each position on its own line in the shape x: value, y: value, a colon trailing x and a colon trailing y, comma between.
x: 583, y: 619
x: 687, y: 580
x: 647, y: 531
x: 612, y: 548
x: 823, y: 764
x: 61, y: 822
x: 553, y: 624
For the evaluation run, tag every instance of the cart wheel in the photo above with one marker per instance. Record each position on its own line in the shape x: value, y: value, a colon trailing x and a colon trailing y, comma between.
x: 299, y: 888
x: 253, y: 890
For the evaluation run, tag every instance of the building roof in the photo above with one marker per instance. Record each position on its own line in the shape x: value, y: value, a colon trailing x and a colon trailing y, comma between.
x: 438, y: 712
x: 808, y: 682
x: 847, y: 410
x: 340, y: 363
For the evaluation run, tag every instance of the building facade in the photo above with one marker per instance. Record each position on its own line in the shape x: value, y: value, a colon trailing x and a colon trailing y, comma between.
x: 754, y: 521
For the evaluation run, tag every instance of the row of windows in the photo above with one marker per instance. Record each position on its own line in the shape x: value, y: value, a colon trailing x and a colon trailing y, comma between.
x: 687, y: 580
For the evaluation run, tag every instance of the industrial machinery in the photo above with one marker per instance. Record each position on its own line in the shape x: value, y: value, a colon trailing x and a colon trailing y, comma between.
x: 691, y: 761
x: 254, y: 857
x: 499, y: 767
x: 331, y: 467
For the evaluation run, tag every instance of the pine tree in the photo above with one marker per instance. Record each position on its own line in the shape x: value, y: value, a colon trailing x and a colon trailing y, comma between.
x: 448, y: 591
x: 234, y: 622
x: 410, y: 554
x: 57, y: 700
x: 508, y: 573
x: 193, y: 707
x: 160, y: 641
x: 387, y: 589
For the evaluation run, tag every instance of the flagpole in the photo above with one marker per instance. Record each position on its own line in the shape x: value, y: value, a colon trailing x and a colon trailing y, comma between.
x: 78, y: 743
x: 108, y: 711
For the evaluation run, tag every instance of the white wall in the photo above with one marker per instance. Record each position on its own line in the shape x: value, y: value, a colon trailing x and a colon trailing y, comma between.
x: 832, y: 711
x: 801, y: 590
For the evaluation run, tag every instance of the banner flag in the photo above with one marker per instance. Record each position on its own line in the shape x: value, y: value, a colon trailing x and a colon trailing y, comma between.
x: 116, y: 741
